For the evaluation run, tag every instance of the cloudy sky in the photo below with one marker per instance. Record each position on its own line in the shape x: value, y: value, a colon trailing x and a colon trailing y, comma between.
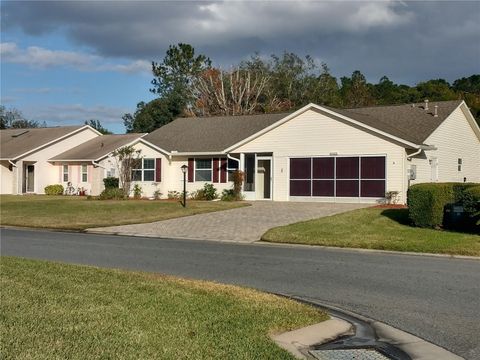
x: 64, y: 62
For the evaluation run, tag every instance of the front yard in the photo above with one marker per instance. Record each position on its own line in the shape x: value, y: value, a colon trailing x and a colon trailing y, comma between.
x: 375, y: 228
x: 57, y: 311
x: 78, y: 213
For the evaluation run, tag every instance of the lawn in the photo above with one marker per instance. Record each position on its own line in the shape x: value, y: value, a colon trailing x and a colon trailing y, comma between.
x: 375, y: 228
x: 56, y: 311
x: 78, y: 213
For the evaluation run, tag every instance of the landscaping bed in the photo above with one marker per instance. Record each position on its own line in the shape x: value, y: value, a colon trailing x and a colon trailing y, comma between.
x: 375, y: 228
x: 57, y: 311
x: 79, y: 213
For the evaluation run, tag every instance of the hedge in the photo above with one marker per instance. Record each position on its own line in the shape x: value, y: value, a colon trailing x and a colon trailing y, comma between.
x: 56, y: 189
x: 426, y: 202
x: 110, y: 182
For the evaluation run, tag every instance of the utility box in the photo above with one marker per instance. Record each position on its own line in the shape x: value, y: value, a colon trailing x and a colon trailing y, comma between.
x: 412, y: 172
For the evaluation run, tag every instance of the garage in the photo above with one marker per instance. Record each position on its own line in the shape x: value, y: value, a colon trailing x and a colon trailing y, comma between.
x: 338, y: 176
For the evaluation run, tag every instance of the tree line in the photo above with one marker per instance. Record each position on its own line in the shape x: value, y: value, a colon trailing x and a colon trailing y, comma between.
x: 187, y: 84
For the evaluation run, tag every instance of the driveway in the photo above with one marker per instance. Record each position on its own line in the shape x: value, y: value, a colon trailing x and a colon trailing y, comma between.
x: 246, y: 224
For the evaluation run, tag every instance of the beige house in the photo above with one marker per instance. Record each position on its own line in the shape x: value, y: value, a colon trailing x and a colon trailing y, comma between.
x: 314, y: 154
x: 25, y: 154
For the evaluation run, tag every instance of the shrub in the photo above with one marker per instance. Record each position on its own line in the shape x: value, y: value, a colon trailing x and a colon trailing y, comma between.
x: 157, y: 194
x: 426, y: 202
x: 230, y: 195
x: 238, y: 177
x: 56, y: 189
x: 137, y: 191
x: 471, y: 204
x: 209, y: 192
x: 110, y: 182
x: 112, y: 194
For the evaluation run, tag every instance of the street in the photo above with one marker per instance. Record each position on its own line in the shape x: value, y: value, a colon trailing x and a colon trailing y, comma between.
x: 435, y: 298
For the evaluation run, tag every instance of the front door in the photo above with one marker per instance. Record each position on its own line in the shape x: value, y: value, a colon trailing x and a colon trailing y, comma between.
x: 264, y: 179
x: 30, y: 178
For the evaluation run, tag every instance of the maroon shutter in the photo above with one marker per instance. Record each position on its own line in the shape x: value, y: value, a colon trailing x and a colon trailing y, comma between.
x: 190, y: 169
x: 158, y: 169
x: 223, y: 171
x: 215, y: 170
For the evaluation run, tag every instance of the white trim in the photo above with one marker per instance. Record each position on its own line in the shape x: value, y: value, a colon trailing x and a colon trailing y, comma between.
x: 133, y: 142
x: 320, y: 108
x: 269, y: 158
x: 56, y: 140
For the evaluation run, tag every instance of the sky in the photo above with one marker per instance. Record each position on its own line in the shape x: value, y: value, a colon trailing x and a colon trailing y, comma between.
x: 64, y: 62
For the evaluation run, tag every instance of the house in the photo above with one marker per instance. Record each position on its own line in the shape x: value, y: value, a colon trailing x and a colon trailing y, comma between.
x: 86, y: 165
x: 25, y: 154
x: 316, y: 153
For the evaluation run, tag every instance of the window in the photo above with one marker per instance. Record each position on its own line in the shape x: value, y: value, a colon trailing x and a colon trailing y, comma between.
x: 84, y: 173
x: 459, y: 164
x: 203, y: 169
x: 144, y: 170
x: 232, y: 166
x: 65, y: 173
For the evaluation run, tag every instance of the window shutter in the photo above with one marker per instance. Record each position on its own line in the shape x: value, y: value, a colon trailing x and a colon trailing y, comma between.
x: 223, y: 171
x: 190, y: 169
x: 158, y: 169
x: 215, y: 170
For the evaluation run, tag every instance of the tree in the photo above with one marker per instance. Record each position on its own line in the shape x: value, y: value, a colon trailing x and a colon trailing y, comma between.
x: 326, y: 91
x: 152, y: 115
x: 98, y: 126
x: 13, y: 118
x: 176, y: 74
x: 126, y: 159
x: 469, y: 84
x: 436, y: 90
x: 355, y: 91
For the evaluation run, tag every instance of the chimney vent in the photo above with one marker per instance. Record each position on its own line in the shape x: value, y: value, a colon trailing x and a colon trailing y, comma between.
x: 435, y: 113
x: 413, y: 105
x: 426, y: 104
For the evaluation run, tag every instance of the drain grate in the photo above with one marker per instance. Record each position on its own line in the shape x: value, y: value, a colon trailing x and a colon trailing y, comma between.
x: 350, y: 354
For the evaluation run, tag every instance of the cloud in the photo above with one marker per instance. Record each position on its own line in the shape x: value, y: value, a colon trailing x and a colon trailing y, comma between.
x: 38, y: 57
x: 75, y: 113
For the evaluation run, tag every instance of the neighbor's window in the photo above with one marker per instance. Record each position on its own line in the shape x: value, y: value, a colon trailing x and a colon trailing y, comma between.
x: 144, y: 170
x: 65, y: 173
x: 84, y: 173
x: 459, y: 164
x: 203, y: 169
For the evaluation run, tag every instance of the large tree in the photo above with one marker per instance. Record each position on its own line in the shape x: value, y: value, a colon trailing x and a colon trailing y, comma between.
x: 152, y: 115
x: 13, y: 118
x: 355, y: 91
x: 97, y: 125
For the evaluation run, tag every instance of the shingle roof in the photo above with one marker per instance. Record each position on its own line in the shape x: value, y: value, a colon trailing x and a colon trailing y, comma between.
x: 411, y: 123
x: 215, y: 134
x: 209, y: 134
x: 16, y: 142
x: 97, y: 147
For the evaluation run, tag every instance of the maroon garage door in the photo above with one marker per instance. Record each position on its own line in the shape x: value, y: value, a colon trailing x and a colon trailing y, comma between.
x: 353, y: 176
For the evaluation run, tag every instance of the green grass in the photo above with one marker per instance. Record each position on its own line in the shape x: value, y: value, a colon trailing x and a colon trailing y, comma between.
x: 57, y: 311
x: 374, y: 228
x: 78, y: 213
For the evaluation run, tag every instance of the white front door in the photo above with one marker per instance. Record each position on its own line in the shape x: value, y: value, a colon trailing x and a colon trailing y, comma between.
x: 263, y: 181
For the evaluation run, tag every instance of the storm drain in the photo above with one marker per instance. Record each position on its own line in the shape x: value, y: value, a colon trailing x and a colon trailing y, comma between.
x: 348, y: 354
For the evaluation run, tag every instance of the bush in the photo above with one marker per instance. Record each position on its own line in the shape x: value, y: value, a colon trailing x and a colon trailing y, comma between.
x: 56, y: 189
x: 471, y: 204
x: 230, y: 195
x: 137, y: 191
x: 112, y: 194
x: 157, y: 194
x: 426, y: 202
x: 110, y: 182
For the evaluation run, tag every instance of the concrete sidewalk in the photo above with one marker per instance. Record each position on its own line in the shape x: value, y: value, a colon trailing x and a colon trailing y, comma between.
x: 246, y: 224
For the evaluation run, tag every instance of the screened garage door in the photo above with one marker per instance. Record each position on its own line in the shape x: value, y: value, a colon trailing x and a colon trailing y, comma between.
x: 353, y: 176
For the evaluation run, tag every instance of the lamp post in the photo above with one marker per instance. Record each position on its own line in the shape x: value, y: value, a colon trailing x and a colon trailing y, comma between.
x: 184, y: 170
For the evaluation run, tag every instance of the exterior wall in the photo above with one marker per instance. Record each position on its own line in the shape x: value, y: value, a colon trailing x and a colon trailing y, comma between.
x: 314, y: 134
x: 6, y: 177
x: 75, y: 176
x: 454, y: 139
x: 46, y: 173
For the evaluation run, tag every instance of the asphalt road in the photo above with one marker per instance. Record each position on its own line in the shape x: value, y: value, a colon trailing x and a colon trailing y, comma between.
x: 434, y: 298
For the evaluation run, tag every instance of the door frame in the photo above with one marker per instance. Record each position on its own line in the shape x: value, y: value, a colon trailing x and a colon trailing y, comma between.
x: 269, y: 158
x: 26, y: 178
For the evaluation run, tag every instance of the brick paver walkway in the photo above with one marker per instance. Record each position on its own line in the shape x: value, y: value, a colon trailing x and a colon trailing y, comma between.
x: 246, y: 224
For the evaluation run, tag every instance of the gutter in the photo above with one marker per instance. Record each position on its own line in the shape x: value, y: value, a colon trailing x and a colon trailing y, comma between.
x: 94, y: 163
x: 12, y: 163
x: 235, y: 159
x: 420, y: 149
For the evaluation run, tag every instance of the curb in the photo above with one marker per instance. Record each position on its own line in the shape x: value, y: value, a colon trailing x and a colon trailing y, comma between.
x: 416, y: 348
x: 368, y: 251
x: 298, y: 342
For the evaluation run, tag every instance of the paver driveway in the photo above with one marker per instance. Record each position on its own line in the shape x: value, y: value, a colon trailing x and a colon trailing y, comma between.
x: 246, y: 224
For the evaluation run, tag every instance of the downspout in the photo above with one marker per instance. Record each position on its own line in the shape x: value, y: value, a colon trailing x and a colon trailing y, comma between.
x: 12, y: 163
x: 409, y: 157
x: 94, y: 163
x: 235, y: 159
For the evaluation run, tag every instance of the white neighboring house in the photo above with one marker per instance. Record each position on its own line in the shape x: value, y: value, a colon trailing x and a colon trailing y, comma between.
x: 316, y: 153
x: 24, y: 155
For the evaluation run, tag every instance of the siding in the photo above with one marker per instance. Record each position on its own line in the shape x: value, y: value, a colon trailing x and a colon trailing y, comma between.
x: 314, y: 134
x: 454, y: 139
x: 6, y: 177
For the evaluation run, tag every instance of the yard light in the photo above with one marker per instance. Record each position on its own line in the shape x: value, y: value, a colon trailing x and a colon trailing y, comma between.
x: 184, y: 170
